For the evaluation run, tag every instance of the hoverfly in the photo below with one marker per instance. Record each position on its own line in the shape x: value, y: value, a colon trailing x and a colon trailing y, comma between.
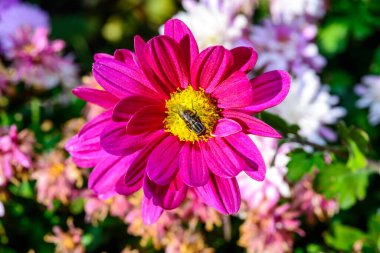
x: 192, y: 121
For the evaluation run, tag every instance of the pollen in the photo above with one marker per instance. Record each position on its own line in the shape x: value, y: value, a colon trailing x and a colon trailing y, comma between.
x: 201, y: 108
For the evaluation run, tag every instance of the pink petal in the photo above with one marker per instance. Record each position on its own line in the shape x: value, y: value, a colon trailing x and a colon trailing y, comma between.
x: 245, y: 59
x: 21, y: 158
x: 223, y: 194
x: 85, y: 153
x: 124, y: 110
x: 168, y: 196
x: 269, y: 89
x: 127, y: 190
x: 85, y: 147
x: 101, y: 98
x: 225, y: 127
x: 106, y: 173
x: 251, y: 124
x: 154, y: 81
x: 124, y: 55
x: 221, y: 159
x: 102, y: 56
x: 212, y: 66
x: 121, y: 79
x: 234, y: 92
x: 115, y: 140
x: 244, y: 146
x: 94, y: 127
x: 163, y: 55
x: 147, y: 119
x: 193, y: 168
x: 163, y: 161
x: 150, y: 212
x: 136, y: 170
x: 178, y: 31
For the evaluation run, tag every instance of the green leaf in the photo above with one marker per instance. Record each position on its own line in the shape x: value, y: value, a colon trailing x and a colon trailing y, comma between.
x: 357, y: 142
x: 24, y: 190
x: 341, y: 183
x: 278, y: 123
x: 302, y: 163
x: 343, y: 237
x: 355, y: 134
x: 356, y: 160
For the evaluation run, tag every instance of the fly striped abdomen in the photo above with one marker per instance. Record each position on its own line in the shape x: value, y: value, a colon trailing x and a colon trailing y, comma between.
x: 193, y: 122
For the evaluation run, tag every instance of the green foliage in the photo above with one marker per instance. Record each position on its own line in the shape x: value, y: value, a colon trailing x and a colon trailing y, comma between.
x: 341, y: 183
x: 340, y: 26
x: 302, y: 163
x: 346, y: 238
x: 343, y: 237
x: 357, y: 142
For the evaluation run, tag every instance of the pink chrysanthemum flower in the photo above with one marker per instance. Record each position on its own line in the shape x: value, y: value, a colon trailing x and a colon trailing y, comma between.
x: 66, y: 242
x: 97, y: 209
x: 313, y: 205
x: 15, y: 151
x: 270, y: 231
x: 15, y: 16
x: 38, y: 61
x: 176, y: 118
x: 57, y: 179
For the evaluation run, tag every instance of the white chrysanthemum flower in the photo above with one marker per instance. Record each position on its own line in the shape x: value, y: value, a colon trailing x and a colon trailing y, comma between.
x: 289, y: 10
x: 212, y: 24
x: 233, y: 7
x: 369, y: 92
x: 311, y: 107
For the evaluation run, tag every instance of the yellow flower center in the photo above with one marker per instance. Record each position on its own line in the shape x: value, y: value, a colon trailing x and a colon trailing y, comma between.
x: 57, y: 169
x: 192, y: 114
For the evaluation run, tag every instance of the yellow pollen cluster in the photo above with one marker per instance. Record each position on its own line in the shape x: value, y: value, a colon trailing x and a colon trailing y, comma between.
x: 202, y: 108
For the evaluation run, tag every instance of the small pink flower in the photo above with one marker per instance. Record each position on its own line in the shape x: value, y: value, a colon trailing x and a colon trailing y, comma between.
x: 57, y: 179
x: 15, y: 150
x: 313, y: 205
x: 38, y: 61
x: 176, y: 119
x: 271, y: 230
x: 67, y: 242
x: 15, y: 16
x: 97, y: 209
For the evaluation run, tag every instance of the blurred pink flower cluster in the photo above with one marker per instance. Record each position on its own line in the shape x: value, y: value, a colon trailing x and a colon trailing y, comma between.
x: 16, y: 150
x: 33, y: 58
